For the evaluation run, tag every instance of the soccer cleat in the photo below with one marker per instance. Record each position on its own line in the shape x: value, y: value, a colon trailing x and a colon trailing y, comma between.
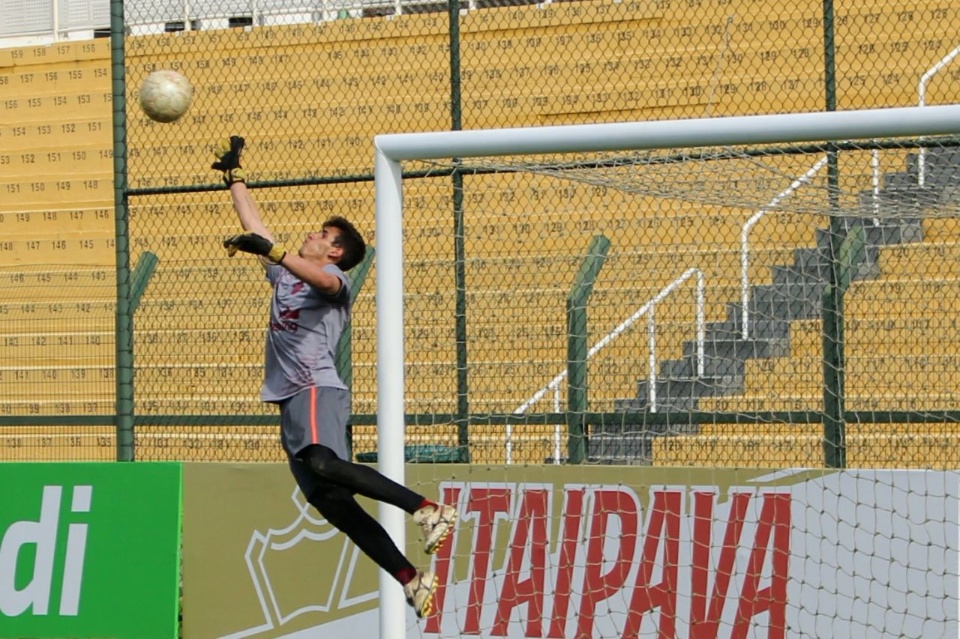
x: 419, y: 592
x: 437, y: 523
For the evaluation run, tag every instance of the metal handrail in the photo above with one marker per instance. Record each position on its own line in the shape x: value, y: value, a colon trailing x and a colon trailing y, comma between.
x: 648, y: 307
x: 651, y: 329
x: 922, y: 101
x: 745, y: 241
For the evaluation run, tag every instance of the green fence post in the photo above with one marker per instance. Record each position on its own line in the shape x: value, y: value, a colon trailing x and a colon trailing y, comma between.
x: 460, y: 319
x: 344, y: 355
x: 459, y: 250
x: 577, y: 348
x: 142, y: 272
x: 835, y: 451
x: 139, y: 279
x: 849, y: 255
x: 829, y: 56
x: 124, y: 405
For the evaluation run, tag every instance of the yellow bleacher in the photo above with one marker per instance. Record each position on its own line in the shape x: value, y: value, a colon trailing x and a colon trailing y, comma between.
x: 901, y: 354
x: 914, y: 449
x: 56, y: 165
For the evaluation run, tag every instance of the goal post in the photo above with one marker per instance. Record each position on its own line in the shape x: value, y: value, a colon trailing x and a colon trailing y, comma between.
x: 394, y: 149
x: 671, y: 134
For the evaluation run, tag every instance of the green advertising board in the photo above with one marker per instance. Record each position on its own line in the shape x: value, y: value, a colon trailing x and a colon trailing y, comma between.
x: 89, y: 550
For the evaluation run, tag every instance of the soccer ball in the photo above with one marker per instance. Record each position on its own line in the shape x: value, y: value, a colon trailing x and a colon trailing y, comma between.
x: 165, y: 95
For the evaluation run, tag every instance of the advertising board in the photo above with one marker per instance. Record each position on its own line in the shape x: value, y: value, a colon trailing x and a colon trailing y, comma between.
x: 584, y: 552
x: 89, y: 550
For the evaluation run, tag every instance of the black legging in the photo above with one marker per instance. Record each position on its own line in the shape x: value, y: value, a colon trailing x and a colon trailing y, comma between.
x: 335, y: 502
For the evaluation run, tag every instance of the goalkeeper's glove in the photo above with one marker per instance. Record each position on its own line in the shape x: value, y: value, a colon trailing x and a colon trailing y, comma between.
x: 228, y: 160
x: 254, y: 244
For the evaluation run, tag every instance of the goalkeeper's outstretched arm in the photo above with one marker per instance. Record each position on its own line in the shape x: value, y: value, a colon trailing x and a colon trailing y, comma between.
x: 228, y: 161
x: 248, y: 212
x: 310, y: 271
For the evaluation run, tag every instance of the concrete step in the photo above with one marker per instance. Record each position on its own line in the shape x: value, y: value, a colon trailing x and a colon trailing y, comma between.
x: 899, y: 179
x: 902, y: 201
x: 636, y: 450
x: 786, y: 276
x: 678, y: 389
x: 667, y: 405
x: 723, y: 358
x: 813, y: 263
x: 740, y: 349
x: 946, y: 159
x: 768, y: 302
x: 712, y: 367
x: 763, y: 329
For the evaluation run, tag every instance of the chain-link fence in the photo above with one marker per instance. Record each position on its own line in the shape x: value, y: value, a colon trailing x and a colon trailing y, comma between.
x: 491, y: 256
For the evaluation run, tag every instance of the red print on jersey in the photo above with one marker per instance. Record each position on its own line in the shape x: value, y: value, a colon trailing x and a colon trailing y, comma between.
x: 287, y: 320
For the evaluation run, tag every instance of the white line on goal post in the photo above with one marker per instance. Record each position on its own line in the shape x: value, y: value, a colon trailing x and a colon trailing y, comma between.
x: 391, y: 149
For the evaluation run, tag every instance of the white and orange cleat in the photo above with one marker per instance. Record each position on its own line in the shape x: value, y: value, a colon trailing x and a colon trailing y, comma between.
x: 419, y: 592
x: 437, y: 524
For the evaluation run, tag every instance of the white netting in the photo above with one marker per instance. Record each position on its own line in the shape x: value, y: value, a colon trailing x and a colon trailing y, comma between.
x: 774, y: 178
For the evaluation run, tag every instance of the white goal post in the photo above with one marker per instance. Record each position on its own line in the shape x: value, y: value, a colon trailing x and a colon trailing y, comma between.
x: 391, y: 150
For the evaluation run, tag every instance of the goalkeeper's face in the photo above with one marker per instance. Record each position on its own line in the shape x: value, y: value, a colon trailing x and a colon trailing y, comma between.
x: 323, y: 245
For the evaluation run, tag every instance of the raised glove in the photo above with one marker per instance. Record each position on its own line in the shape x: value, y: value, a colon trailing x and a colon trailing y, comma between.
x: 228, y: 160
x: 255, y: 245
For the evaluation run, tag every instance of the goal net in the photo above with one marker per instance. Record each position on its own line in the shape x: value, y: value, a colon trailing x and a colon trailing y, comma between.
x: 714, y: 268
x: 769, y: 292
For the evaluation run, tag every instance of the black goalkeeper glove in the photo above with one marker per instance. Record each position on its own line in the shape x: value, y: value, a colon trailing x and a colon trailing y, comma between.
x: 228, y: 160
x: 254, y: 244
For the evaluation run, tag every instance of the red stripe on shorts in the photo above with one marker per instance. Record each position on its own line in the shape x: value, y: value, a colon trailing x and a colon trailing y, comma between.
x: 313, y: 415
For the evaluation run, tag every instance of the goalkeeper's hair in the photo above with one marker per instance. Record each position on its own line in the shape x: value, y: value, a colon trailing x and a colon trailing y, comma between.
x: 354, y: 248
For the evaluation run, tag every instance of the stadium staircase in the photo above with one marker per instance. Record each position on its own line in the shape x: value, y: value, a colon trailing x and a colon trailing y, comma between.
x: 795, y: 293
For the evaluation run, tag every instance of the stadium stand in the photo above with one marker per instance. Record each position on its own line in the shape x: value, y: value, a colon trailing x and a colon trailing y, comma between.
x: 55, y: 166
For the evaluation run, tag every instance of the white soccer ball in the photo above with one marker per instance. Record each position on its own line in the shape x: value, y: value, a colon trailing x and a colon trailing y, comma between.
x: 165, y: 95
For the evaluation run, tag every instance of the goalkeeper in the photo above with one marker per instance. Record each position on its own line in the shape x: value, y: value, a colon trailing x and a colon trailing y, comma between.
x: 309, y: 309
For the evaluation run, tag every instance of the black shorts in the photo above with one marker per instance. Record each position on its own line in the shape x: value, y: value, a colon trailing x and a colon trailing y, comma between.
x: 314, y: 416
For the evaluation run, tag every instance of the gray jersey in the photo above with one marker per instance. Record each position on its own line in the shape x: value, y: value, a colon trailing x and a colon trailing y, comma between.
x: 305, y: 326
